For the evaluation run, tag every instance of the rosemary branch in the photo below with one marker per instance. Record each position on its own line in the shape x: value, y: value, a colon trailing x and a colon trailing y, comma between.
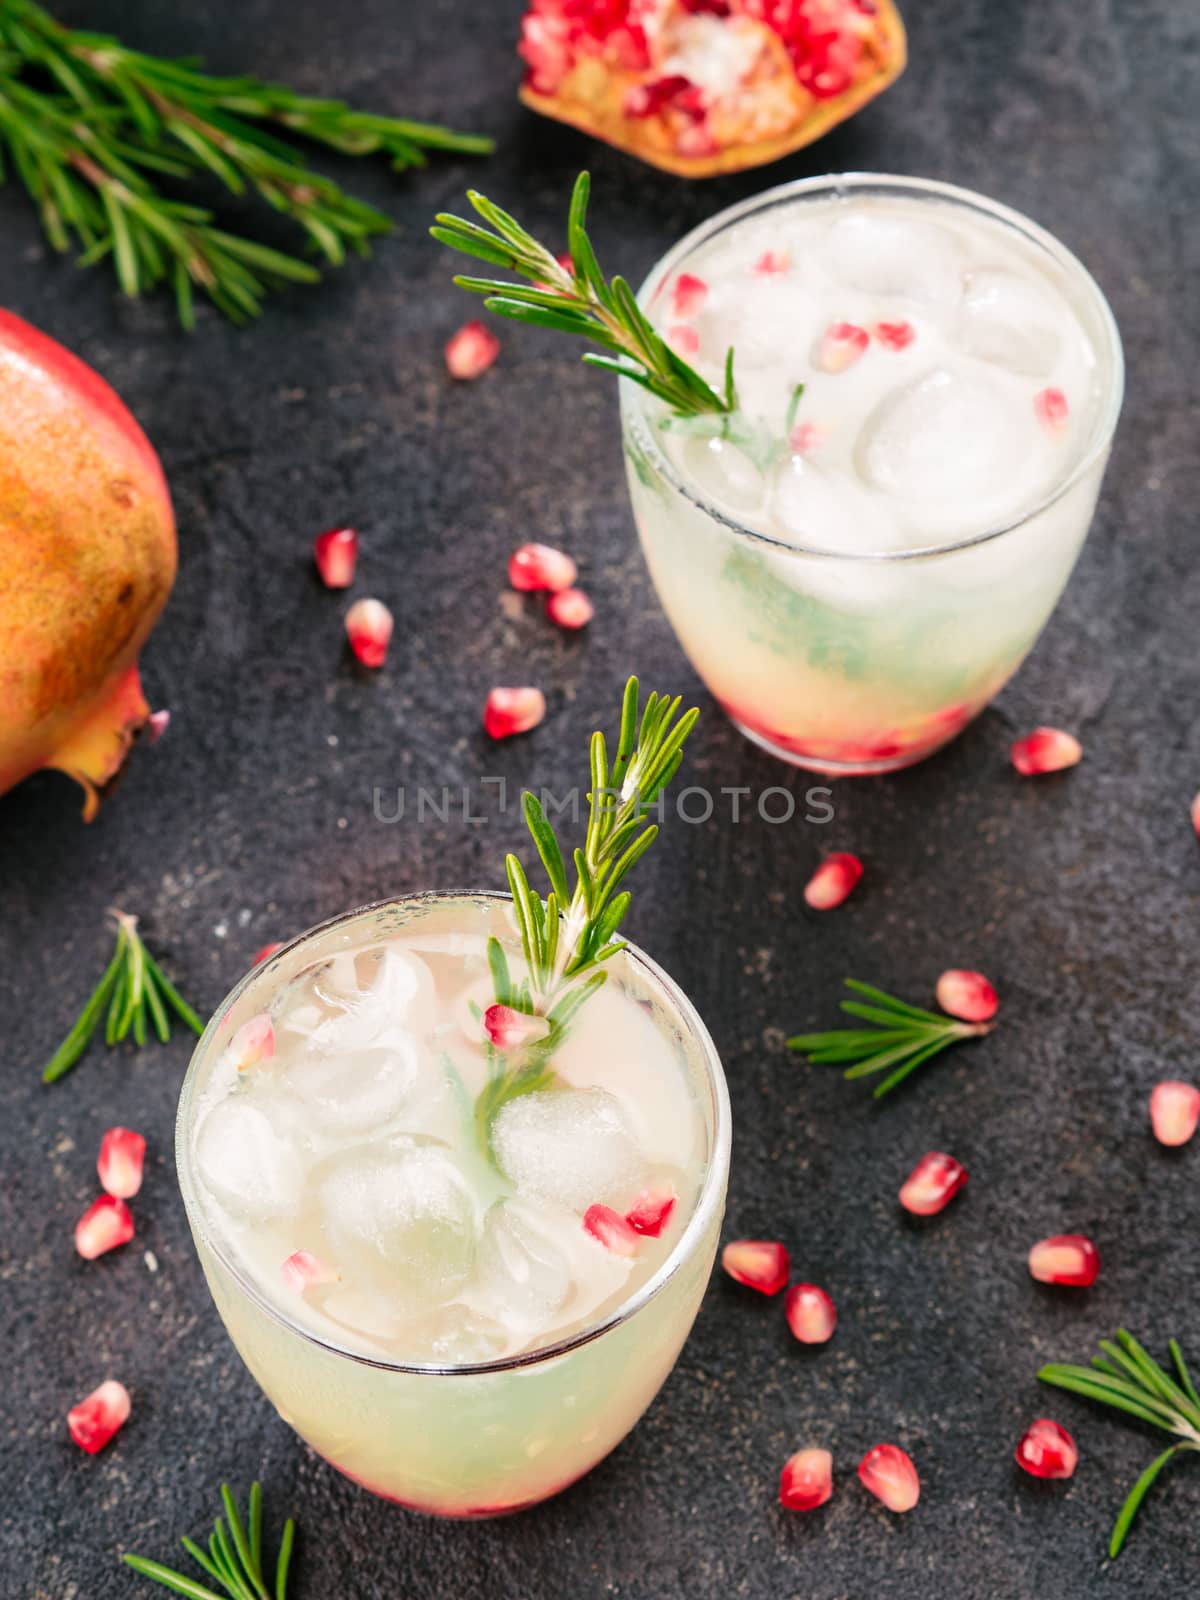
x: 234, y: 1557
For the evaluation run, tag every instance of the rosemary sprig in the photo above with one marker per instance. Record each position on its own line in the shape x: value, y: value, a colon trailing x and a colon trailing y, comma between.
x: 1128, y: 1379
x: 234, y: 1557
x: 579, y: 301
x: 902, y: 1037
x: 133, y: 987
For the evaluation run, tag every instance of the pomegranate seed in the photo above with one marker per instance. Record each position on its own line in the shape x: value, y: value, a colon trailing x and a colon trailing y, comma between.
x: 1051, y: 409
x: 336, y: 554
x: 611, y: 1229
x: 570, y: 608
x: 811, y: 1314
x: 303, y: 1271
x: 1070, y: 1259
x: 1174, y: 1111
x: 1195, y: 815
x: 890, y: 1476
x: 772, y: 261
x: 688, y: 296
x: 895, y: 335
x: 120, y: 1163
x: 652, y: 1212
x: 806, y: 438
x: 471, y: 351
x: 833, y: 881
x: 840, y: 346
x: 685, y: 341
x: 265, y: 954
x: 105, y: 1224
x: 157, y: 724
x: 967, y: 995
x: 932, y: 1184
x: 253, y: 1042
x: 1047, y: 1450
x: 806, y: 1481
x: 509, y: 711
x: 509, y: 1029
x: 94, y: 1421
x: 1045, y: 750
x: 369, y: 629
x: 761, y: 1264
x: 540, y: 566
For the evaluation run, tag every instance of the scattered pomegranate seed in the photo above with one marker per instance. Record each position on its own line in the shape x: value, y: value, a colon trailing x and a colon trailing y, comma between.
x: 806, y: 1481
x: 471, y: 351
x: 1174, y: 1111
x: 811, y: 1314
x: 303, y: 1271
x: 105, y: 1224
x: 833, y: 881
x: 688, y: 296
x: 540, y: 566
x: 94, y: 1421
x: 611, y: 1229
x: 1051, y: 409
x: 967, y: 995
x: 652, y: 1212
x: 840, y: 346
x: 509, y: 711
x: 1195, y: 814
x: 932, y: 1184
x: 570, y: 608
x: 265, y: 954
x: 336, y: 555
x: 806, y: 438
x: 891, y: 1477
x: 369, y: 629
x: 122, y: 1153
x: 1069, y: 1259
x: 508, y: 1029
x: 772, y: 261
x: 684, y: 340
x: 895, y: 335
x: 157, y: 724
x: 761, y: 1264
x: 1045, y: 750
x: 1047, y: 1450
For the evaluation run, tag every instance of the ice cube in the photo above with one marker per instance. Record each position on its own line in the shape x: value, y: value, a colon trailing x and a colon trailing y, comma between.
x: 453, y: 1336
x: 761, y: 317
x: 1012, y: 322
x: 401, y: 1211
x: 895, y: 256
x: 399, y: 1003
x: 572, y: 1146
x: 522, y: 1273
x: 814, y: 509
x: 246, y: 1162
x: 721, y: 472
x: 352, y: 1093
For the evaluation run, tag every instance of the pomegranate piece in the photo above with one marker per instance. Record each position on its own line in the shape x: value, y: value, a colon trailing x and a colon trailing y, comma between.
x: 1051, y: 409
x: 840, y: 346
x: 611, y: 1230
x: 105, y: 1224
x: 336, y: 555
x: 772, y: 262
x: 510, y: 711
x: 833, y: 881
x: 510, y: 1030
x: 1045, y: 750
x: 894, y: 335
x: 369, y: 629
x: 1069, y: 1259
x: 652, y: 1212
x: 967, y: 995
x: 253, y: 1042
x: 539, y: 566
x: 471, y: 351
x: 688, y: 294
x: 96, y: 1420
x: 932, y: 1184
x: 570, y: 609
x: 303, y: 1271
x: 122, y: 1153
x: 761, y: 1264
x: 265, y: 954
x: 1046, y: 1450
x: 887, y: 1473
x: 806, y: 1481
x: 811, y: 1314
x: 1174, y: 1111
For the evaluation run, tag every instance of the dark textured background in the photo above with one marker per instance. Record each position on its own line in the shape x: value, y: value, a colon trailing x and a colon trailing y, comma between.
x: 253, y: 819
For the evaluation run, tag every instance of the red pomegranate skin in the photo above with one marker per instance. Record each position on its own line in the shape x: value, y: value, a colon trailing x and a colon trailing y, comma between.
x: 87, y: 560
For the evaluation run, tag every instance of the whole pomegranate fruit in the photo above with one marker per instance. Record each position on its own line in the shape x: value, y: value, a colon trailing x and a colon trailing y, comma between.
x: 87, y: 560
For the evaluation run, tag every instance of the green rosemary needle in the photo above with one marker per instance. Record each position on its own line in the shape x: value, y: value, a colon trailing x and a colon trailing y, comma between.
x: 1128, y: 1379
x: 902, y: 1037
x: 234, y: 1557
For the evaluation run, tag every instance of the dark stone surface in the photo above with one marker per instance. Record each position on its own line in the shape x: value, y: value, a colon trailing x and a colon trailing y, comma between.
x: 253, y: 819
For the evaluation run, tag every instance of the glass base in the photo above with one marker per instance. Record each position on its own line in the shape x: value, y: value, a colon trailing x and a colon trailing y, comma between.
x: 839, y: 769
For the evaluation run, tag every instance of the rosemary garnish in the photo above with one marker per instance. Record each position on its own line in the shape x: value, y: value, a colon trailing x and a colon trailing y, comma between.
x: 567, y: 937
x: 902, y: 1038
x: 94, y: 134
x: 1128, y: 1379
x: 234, y: 1557
x: 133, y: 985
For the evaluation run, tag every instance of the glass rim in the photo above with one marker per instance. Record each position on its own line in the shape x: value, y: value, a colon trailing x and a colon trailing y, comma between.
x: 635, y: 399
x: 711, y: 1189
